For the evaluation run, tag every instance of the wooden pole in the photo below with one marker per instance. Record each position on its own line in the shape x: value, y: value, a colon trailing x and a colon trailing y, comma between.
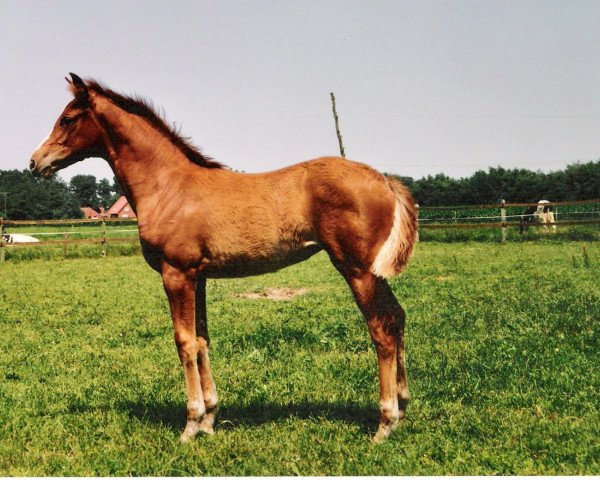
x: 417, y: 207
x: 103, y: 232
x: 503, y: 219
x: 337, y: 126
x: 2, y: 248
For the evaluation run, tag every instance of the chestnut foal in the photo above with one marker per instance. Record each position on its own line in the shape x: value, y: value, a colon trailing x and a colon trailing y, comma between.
x: 199, y: 220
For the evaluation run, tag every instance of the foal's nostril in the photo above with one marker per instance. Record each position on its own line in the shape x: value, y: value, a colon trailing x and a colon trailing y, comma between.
x: 32, y: 164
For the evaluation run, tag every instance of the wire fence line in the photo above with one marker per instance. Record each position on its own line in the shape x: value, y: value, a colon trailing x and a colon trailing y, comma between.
x: 101, y: 236
x: 104, y: 234
x: 505, y: 220
x: 519, y: 216
x: 512, y: 204
x: 73, y: 232
x: 73, y: 221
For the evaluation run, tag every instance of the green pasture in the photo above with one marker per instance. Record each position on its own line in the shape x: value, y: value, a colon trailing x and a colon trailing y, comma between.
x: 586, y: 233
x: 503, y: 354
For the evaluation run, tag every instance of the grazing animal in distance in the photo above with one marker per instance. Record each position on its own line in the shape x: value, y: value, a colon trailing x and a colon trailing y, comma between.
x: 541, y: 212
x: 546, y: 214
x: 527, y: 217
x: 199, y: 220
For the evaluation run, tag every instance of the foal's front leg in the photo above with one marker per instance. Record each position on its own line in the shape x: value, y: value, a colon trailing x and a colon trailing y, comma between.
x: 180, y: 287
x: 209, y: 389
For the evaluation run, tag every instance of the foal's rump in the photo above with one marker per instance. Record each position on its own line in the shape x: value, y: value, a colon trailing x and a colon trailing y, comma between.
x: 363, y: 219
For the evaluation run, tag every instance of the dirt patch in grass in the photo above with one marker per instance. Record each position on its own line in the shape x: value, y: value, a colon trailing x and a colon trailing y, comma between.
x: 444, y: 278
x: 276, y: 293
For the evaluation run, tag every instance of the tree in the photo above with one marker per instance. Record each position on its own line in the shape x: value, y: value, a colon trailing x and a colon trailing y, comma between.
x: 29, y: 198
x: 579, y: 181
x: 105, y: 195
x: 117, y: 189
x: 84, y: 188
x: 583, y: 179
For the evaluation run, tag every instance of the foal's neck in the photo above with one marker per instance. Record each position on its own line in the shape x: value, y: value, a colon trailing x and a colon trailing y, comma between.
x: 144, y: 161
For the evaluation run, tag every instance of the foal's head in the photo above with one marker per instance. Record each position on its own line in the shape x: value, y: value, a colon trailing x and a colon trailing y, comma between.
x: 76, y: 135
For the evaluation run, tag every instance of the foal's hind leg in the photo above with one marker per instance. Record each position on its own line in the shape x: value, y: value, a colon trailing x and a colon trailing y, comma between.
x: 209, y: 389
x: 385, y: 319
x: 402, y: 383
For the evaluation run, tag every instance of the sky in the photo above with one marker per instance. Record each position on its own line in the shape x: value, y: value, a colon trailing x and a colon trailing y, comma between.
x: 422, y: 87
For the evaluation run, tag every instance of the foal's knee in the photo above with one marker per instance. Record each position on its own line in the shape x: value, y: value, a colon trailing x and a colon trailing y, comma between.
x: 187, y: 348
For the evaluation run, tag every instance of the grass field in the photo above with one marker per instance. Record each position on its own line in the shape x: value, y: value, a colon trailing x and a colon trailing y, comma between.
x: 503, y: 354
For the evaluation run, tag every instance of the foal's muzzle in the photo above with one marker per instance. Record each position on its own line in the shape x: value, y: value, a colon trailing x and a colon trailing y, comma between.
x: 38, y: 171
x: 34, y: 168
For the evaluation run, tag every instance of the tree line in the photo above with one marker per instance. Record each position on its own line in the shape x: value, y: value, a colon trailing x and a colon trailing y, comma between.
x: 32, y: 198
x: 579, y: 181
x: 24, y: 197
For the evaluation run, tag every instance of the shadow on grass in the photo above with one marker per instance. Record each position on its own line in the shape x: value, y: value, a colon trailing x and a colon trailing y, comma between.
x: 172, y: 415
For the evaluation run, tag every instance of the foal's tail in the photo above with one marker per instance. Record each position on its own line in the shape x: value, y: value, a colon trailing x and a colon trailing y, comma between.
x: 396, y: 250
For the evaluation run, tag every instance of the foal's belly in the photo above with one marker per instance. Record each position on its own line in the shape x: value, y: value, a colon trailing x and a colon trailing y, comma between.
x: 242, y: 265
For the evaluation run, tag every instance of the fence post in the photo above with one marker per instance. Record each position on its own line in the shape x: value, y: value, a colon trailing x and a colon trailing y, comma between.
x: 66, y: 237
x: 2, y: 239
x: 503, y: 219
x: 337, y: 126
x: 417, y: 207
x: 103, y: 230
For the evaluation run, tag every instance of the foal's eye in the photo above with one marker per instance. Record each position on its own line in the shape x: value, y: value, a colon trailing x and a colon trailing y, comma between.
x: 66, y: 121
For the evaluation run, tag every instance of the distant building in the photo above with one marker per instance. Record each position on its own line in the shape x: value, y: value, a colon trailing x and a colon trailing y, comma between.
x: 89, y: 212
x: 121, y: 209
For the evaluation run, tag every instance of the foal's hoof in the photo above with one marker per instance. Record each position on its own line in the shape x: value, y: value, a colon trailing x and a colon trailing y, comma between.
x: 207, y: 430
x: 384, y: 431
x: 191, y: 429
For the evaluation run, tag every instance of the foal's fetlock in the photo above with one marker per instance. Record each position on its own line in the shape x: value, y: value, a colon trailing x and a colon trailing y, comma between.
x: 193, y: 425
x: 402, y: 405
x: 390, y: 417
x: 208, y: 421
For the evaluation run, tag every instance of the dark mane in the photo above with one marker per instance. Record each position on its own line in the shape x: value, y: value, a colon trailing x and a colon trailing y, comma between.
x: 145, y: 109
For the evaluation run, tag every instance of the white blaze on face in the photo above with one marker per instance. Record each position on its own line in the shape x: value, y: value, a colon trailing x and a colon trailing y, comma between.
x: 44, y: 140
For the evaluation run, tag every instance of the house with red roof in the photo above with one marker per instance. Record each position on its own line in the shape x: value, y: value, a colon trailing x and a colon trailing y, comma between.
x: 121, y: 209
x: 89, y: 212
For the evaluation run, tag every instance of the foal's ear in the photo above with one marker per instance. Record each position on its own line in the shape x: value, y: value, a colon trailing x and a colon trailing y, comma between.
x: 78, y: 87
